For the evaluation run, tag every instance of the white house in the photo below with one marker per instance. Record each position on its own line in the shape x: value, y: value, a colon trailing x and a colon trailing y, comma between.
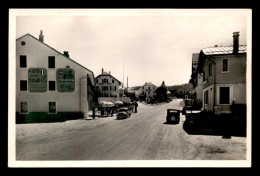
x: 49, y: 84
x: 108, y: 84
x: 148, y: 89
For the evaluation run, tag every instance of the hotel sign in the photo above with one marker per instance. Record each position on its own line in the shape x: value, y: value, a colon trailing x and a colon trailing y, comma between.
x: 65, y: 80
x: 37, y: 79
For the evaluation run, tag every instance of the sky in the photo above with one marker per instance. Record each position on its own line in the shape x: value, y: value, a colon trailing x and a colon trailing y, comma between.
x: 143, y: 45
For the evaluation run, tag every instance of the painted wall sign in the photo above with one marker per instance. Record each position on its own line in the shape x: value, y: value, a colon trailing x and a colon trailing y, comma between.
x: 37, y: 79
x: 65, y: 80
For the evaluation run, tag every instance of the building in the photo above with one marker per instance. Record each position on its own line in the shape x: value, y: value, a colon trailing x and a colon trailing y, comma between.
x: 50, y: 85
x: 148, y: 89
x: 196, y: 79
x: 108, y: 84
x: 223, y: 71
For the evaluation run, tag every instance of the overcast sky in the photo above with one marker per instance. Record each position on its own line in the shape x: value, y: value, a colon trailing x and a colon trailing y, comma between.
x: 152, y: 48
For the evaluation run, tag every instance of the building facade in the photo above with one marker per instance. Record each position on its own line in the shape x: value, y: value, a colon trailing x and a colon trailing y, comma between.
x: 223, y: 71
x: 148, y: 89
x: 196, y: 79
x: 49, y: 85
x: 108, y: 85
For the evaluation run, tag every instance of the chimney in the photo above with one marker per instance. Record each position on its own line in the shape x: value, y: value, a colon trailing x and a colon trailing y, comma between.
x: 127, y: 82
x: 235, y: 42
x: 41, y: 37
x: 66, y: 53
x: 102, y: 70
x: 110, y: 72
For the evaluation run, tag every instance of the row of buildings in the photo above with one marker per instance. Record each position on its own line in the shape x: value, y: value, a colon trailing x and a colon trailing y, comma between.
x: 219, y: 77
x: 52, y: 85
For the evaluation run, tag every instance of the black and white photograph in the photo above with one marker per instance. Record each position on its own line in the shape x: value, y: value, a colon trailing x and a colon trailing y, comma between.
x: 129, y: 88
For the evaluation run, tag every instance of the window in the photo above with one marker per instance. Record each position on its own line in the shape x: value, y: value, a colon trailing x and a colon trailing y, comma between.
x: 225, y: 65
x: 96, y: 80
x: 110, y: 88
x: 113, y: 81
x: 210, y: 69
x: 224, y: 95
x: 24, y: 107
x: 104, y: 88
x: 115, y: 88
x: 104, y: 80
x: 51, y: 61
x: 23, y: 62
x: 52, y: 107
x: 51, y: 85
x: 206, y: 97
x: 23, y: 85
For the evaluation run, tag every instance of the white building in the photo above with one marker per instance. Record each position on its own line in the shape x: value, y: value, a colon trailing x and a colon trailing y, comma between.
x: 48, y: 83
x: 108, y: 84
x: 148, y: 89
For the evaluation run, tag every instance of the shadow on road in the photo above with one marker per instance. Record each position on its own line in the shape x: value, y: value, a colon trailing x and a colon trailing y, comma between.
x: 215, y: 129
x: 167, y: 123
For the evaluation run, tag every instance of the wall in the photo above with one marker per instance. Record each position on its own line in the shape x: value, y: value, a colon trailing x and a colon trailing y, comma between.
x: 37, y: 56
x: 199, y: 88
x: 152, y: 90
x: 236, y: 69
x: 235, y: 78
x: 110, y: 78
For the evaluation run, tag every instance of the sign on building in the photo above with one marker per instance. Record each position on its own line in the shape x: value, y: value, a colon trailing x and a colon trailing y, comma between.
x: 37, y: 79
x: 65, y: 80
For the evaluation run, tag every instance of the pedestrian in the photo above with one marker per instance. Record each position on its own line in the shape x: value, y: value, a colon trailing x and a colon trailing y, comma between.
x: 136, y: 105
x: 93, y: 111
x: 112, y: 112
x: 102, y: 111
x: 108, y: 111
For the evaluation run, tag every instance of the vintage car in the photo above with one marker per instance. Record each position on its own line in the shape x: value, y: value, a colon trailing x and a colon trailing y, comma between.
x: 173, y: 116
x: 123, y: 113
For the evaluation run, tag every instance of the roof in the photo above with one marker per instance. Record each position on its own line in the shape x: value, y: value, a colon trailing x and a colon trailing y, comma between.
x: 223, y: 50
x: 57, y: 52
x: 107, y: 74
x: 149, y: 84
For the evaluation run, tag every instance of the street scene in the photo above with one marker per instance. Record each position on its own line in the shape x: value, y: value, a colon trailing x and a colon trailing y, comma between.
x: 144, y: 136
x: 128, y: 85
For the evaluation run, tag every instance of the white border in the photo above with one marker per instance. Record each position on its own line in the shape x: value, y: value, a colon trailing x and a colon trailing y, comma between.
x: 13, y: 13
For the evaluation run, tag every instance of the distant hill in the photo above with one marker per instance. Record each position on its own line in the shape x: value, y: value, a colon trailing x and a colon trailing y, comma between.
x: 180, y: 90
x: 188, y: 87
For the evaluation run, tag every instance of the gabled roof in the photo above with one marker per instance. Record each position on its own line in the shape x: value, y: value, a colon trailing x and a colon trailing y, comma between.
x: 214, y: 51
x: 149, y: 84
x: 223, y: 50
x: 107, y: 74
x: 57, y: 52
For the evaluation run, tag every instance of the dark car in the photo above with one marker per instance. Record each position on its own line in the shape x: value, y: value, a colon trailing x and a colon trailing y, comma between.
x: 123, y: 113
x: 173, y: 116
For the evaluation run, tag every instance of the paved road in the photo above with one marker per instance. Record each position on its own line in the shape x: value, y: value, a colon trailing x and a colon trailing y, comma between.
x: 144, y: 136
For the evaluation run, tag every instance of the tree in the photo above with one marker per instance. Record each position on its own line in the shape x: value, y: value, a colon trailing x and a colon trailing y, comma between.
x: 161, y: 92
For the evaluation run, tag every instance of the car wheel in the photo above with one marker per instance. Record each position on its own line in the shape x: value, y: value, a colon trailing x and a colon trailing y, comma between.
x: 173, y: 118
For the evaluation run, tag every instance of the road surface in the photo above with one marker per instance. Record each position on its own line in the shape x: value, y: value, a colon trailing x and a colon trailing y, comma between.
x: 144, y: 136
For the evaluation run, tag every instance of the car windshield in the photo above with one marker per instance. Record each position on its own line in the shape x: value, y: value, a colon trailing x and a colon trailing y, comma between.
x: 172, y: 111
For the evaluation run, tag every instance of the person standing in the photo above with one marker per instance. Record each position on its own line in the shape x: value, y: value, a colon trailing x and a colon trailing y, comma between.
x: 93, y: 111
x: 136, y: 105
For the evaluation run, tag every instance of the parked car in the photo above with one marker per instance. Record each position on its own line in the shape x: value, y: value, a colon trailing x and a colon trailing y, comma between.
x: 173, y: 116
x: 123, y: 113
